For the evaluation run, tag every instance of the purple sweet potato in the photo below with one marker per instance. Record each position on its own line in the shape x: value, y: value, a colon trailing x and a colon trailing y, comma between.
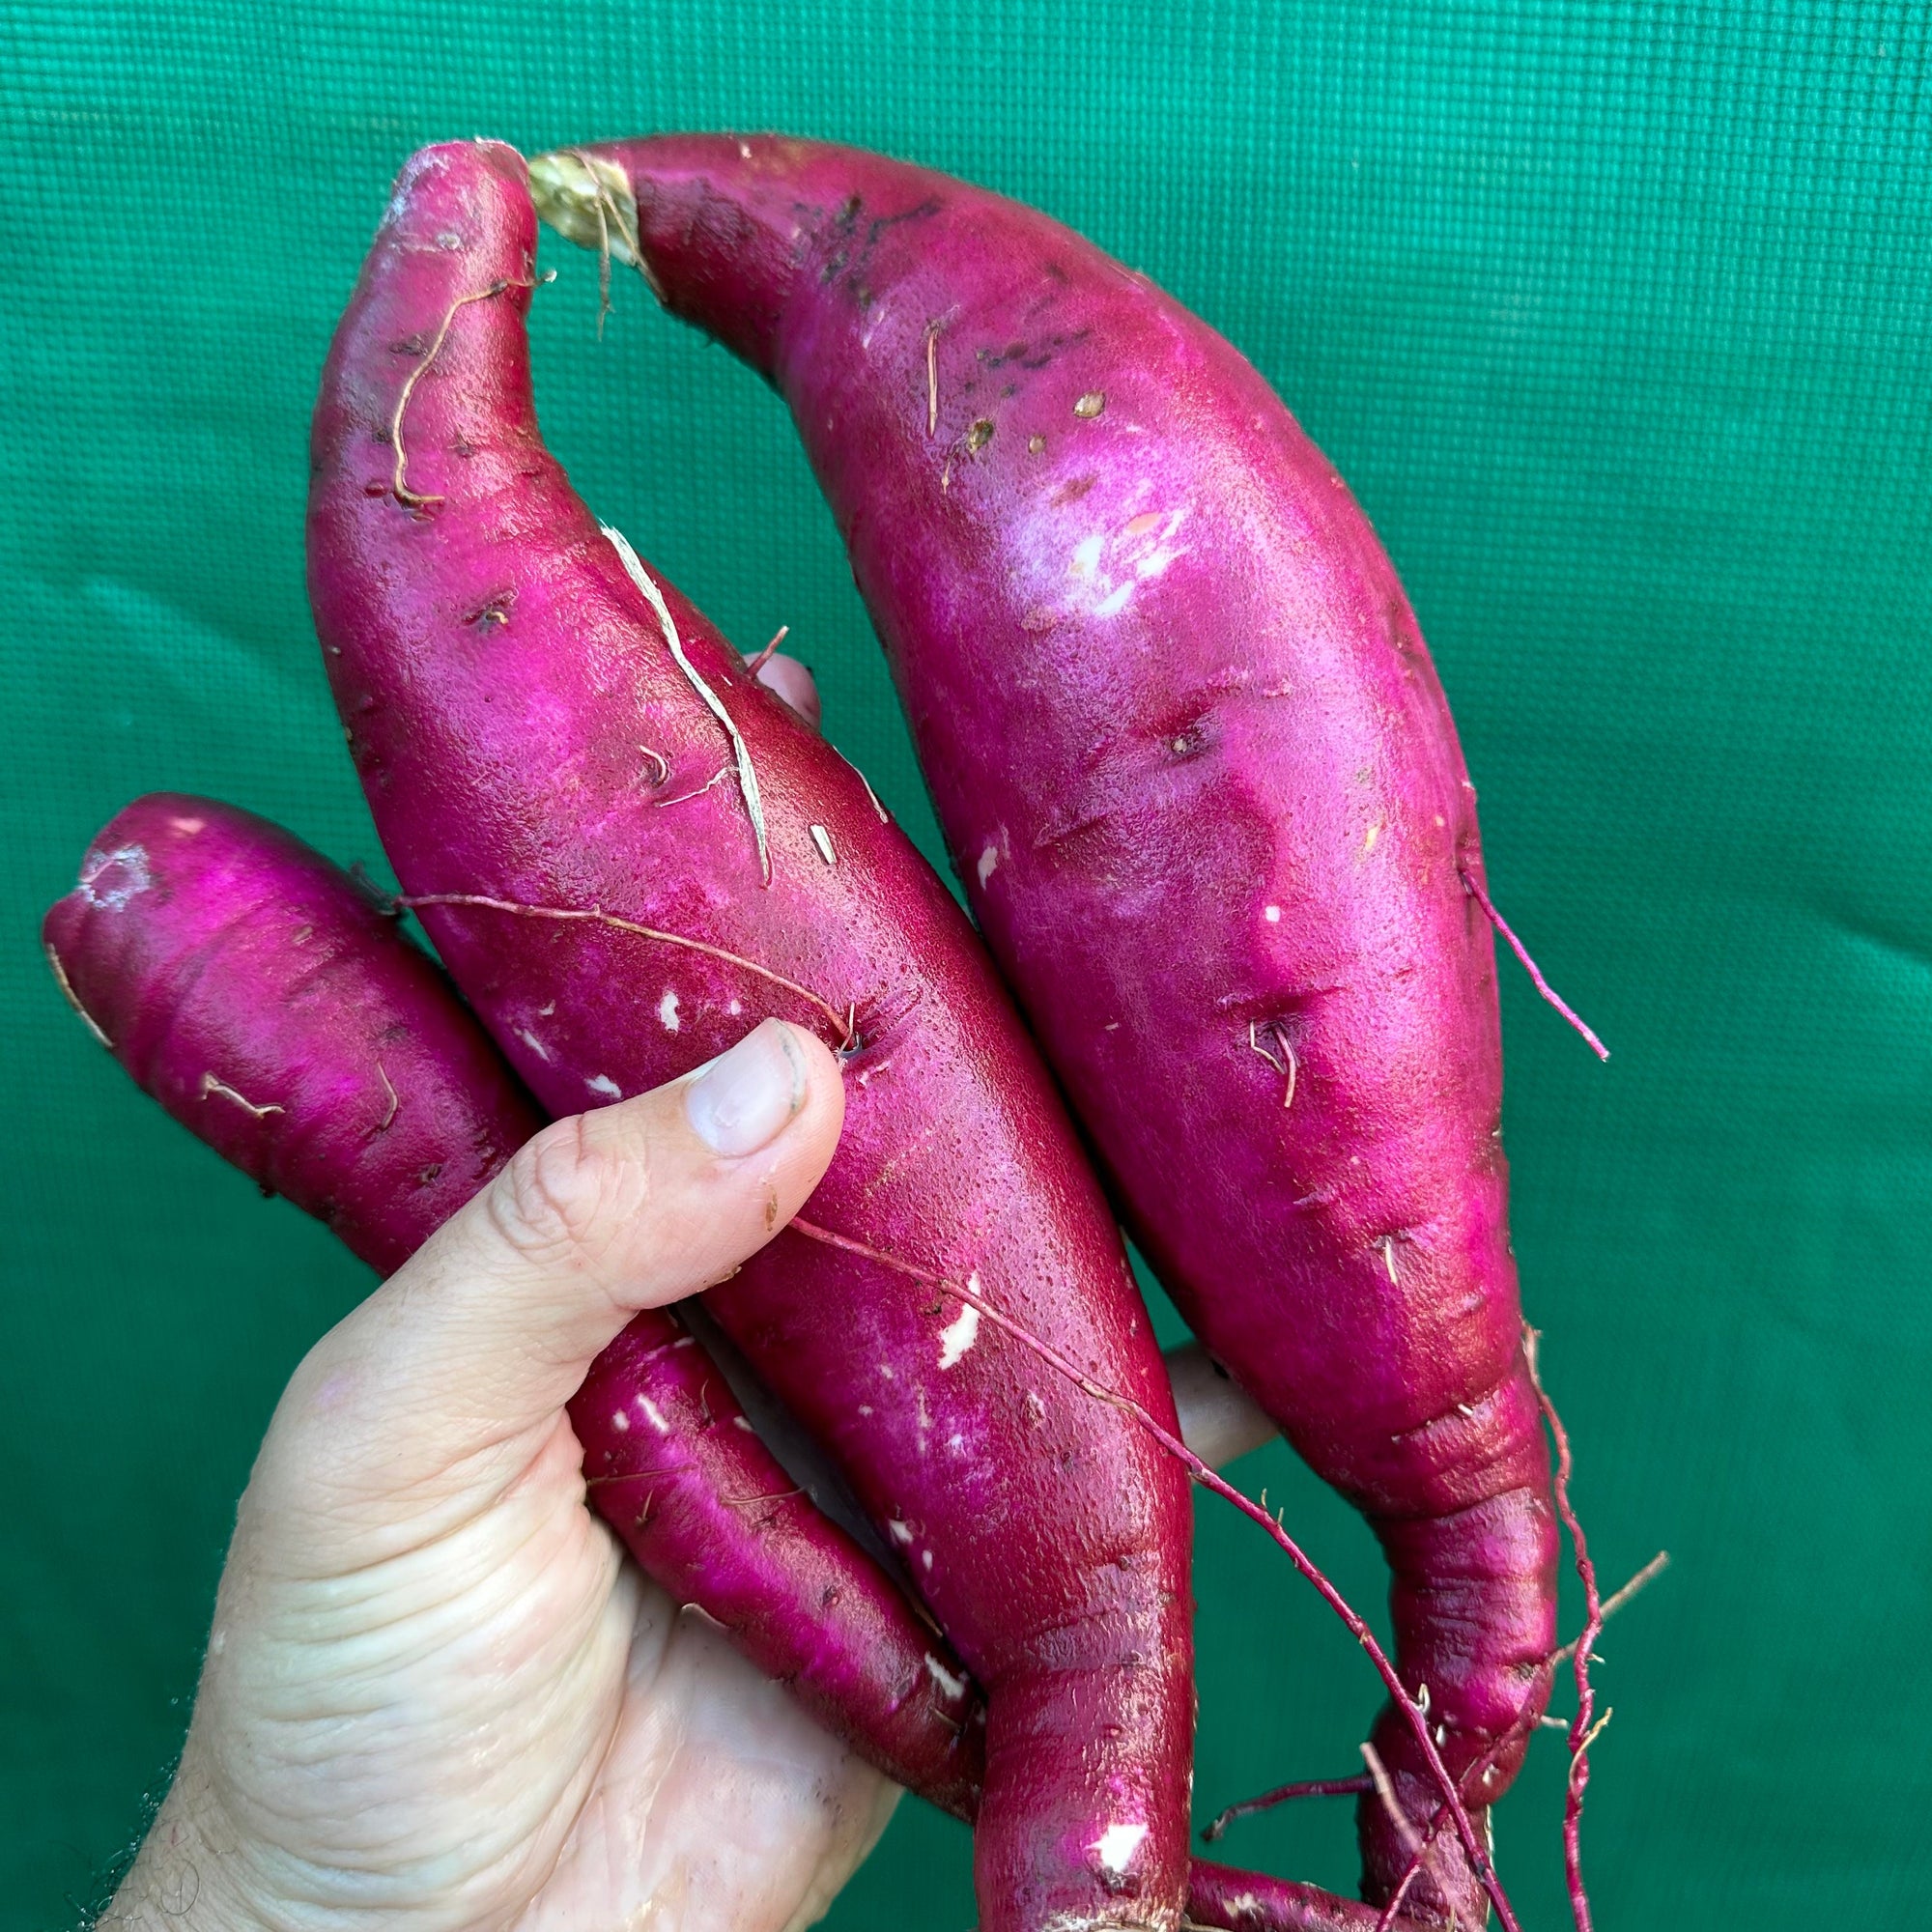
x: 260, y: 996
x: 626, y: 849
x: 269, y: 1002
x: 1198, y: 774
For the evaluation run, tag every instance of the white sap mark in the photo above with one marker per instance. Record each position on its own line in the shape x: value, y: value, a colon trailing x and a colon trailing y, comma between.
x: 1242, y: 1904
x: 187, y: 826
x: 685, y: 1342
x: 604, y: 1084
x: 878, y: 315
x: 547, y: 1009
x: 744, y: 1422
x: 957, y: 1337
x: 667, y: 1012
x: 535, y: 1045
x: 1272, y: 914
x: 1370, y: 837
x: 1141, y: 550
x: 132, y: 863
x: 1117, y: 1845
x: 1112, y: 1026
x: 989, y: 863
x: 901, y: 1532
x: 865, y: 1408
x: 956, y: 1442
x: 954, y: 1686
x: 621, y: 1423
x: 743, y: 150
x: 925, y: 1558
x: 886, y: 1370
x: 822, y: 839
x: 654, y: 1415
x: 736, y: 1007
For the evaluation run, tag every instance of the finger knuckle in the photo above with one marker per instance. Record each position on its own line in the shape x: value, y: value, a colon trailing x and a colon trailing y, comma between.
x: 564, y: 1195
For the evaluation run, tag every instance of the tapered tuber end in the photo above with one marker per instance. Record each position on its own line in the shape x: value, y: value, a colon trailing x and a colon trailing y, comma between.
x: 587, y: 200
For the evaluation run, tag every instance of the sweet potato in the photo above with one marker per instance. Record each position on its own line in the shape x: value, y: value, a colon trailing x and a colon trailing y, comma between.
x: 626, y: 849
x: 1198, y: 777
x: 269, y: 1005
x: 264, y: 999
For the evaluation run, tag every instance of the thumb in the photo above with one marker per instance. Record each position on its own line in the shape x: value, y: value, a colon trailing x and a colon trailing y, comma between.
x: 485, y: 1334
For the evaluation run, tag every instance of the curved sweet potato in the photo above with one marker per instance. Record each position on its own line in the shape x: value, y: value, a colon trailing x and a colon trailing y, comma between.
x: 625, y: 849
x: 1198, y: 777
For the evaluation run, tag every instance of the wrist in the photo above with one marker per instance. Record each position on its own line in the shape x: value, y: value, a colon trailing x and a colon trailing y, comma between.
x: 188, y: 1875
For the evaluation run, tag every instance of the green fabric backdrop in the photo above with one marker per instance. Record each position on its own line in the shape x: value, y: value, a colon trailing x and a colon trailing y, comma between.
x: 1614, y: 316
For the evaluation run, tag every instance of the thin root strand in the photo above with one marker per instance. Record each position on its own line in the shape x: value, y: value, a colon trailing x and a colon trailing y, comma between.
x: 1616, y: 1601
x: 398, y: 483
x: 718, y: 777
x: 763, y: 658
x: 395, y: 1106
x: 210, y: 1084
x: 1284, y: 1794
x: 1583, y: 1727
x: 1289, y: 1067
x: 1384, y: 1785
x: 72, y: 997
x: 842, y: 1019
x: 1474, y: 887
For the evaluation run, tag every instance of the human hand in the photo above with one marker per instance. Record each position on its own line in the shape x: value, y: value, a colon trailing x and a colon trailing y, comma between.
x: 434, y: 1696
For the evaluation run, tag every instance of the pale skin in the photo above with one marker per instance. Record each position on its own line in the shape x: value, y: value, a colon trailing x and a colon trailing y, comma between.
x: 435, y: 1695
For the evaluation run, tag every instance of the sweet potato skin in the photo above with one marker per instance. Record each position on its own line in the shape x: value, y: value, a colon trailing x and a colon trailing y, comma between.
x: 209, y: 945
x: 1197, y: 773
x: 269, y: 1004
x: 527, y: 737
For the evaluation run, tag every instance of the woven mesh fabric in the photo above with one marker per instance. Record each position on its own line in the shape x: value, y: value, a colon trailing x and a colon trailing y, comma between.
x: 1616, y: 319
